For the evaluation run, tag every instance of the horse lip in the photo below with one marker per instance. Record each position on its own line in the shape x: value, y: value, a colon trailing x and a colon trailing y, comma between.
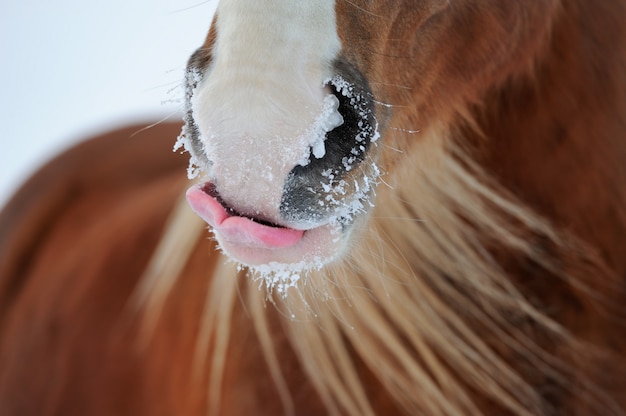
x: 235, y: 228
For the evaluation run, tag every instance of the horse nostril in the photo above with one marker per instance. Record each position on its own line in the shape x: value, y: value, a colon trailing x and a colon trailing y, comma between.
x: 308, y: 188
x: 350, y: 139
x: 345, y: 142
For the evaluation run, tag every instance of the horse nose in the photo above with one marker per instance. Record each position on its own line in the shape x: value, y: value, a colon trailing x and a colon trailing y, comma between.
x: 256, y: 104
x: 330, y: 187
x: 252, y: 152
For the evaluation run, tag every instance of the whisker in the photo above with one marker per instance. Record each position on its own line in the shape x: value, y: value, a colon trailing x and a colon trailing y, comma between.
x: 193, y: 6
x: 356, y: 6
x: 405, y: 130
x: 404, y: 87
x: 383, y: 104
x: 386, y: 184
x: 400, y: 219
x: 156, y: 123
x: 167, y: 84
x: 395, y: 149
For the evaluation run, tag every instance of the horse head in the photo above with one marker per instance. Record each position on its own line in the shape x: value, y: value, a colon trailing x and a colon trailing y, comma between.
x: 285, y: 103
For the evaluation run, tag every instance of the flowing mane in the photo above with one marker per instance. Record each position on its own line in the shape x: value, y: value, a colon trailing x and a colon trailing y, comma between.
x: 420, y: 209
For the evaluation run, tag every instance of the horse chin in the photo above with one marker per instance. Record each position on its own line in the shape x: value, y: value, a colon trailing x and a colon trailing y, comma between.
x: 264, y: 246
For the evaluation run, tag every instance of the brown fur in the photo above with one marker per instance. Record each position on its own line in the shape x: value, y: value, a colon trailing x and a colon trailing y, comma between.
x: 490, y: 277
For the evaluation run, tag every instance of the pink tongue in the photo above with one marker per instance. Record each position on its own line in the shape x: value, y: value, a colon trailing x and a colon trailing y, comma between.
x: 239, y: 230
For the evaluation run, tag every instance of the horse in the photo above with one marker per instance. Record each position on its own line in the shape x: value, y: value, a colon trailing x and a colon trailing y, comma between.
x: 409, y: 207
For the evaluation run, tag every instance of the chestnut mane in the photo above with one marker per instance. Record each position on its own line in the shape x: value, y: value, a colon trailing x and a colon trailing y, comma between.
x: 488, y: 279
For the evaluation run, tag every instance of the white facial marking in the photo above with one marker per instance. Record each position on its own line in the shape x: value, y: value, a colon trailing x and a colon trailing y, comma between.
x: 258, y: 103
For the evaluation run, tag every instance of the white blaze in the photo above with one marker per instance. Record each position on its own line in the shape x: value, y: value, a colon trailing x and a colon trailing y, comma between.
x: 258, y: 103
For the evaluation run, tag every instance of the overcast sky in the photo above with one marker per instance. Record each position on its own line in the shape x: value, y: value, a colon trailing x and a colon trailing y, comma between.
x: 73, y: 68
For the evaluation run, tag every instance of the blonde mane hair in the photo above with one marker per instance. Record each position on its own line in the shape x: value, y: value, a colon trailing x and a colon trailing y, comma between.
x: 423, y: 299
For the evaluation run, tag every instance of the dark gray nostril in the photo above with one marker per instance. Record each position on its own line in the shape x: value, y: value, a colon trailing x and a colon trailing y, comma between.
x: 306, y: 195
x: 190, y: 135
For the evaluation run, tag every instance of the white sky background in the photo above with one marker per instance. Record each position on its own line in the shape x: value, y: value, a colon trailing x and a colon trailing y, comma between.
x: 73, y: 68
